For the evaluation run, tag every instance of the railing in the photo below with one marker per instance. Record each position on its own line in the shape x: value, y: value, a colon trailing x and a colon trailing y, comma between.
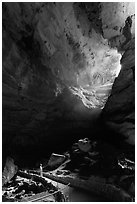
x: 43, y: 197
x: 46, y: 196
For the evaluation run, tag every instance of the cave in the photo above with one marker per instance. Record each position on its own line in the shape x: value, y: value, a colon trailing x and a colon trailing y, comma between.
x: 68, y: 73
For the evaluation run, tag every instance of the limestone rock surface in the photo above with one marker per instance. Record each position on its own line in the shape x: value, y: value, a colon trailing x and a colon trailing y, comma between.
x: 119, y: 111
x: 56, y: 58
x: 9, y: 171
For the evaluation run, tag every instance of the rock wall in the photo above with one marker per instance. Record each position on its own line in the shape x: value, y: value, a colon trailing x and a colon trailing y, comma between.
x: 119, y: 111
x: 50, y: 47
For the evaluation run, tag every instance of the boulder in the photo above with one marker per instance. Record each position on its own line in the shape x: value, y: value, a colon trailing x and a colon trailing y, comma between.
x: 9, y: 171
x: 56, y: 160
x: 84, y: 145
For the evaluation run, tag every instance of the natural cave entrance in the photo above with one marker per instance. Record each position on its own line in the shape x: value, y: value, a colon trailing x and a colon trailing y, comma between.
x: 68, y: 74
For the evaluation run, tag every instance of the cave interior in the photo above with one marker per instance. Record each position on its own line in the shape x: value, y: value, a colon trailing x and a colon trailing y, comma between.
x: 68, y: 72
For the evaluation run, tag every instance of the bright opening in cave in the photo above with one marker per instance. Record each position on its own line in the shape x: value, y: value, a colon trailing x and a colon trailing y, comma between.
x: 94, y: 84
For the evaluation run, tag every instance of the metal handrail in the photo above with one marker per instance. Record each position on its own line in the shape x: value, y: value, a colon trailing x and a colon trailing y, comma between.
x: 46, y: 196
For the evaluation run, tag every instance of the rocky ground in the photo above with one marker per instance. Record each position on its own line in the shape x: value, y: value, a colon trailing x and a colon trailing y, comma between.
x: 90, y: 165
x: 23, y: 187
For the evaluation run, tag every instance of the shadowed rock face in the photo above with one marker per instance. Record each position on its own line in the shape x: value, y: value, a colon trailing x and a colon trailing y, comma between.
x: 54, y: 52
x: 119, y: 112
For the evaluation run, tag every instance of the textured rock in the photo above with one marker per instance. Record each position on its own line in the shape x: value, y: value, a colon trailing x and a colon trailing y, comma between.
x: 55, y: 160
x: 113, y: 16
x: 9, y: 171
x: 119, y: 111
x: 55, y: 55
x: 84, y: 145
